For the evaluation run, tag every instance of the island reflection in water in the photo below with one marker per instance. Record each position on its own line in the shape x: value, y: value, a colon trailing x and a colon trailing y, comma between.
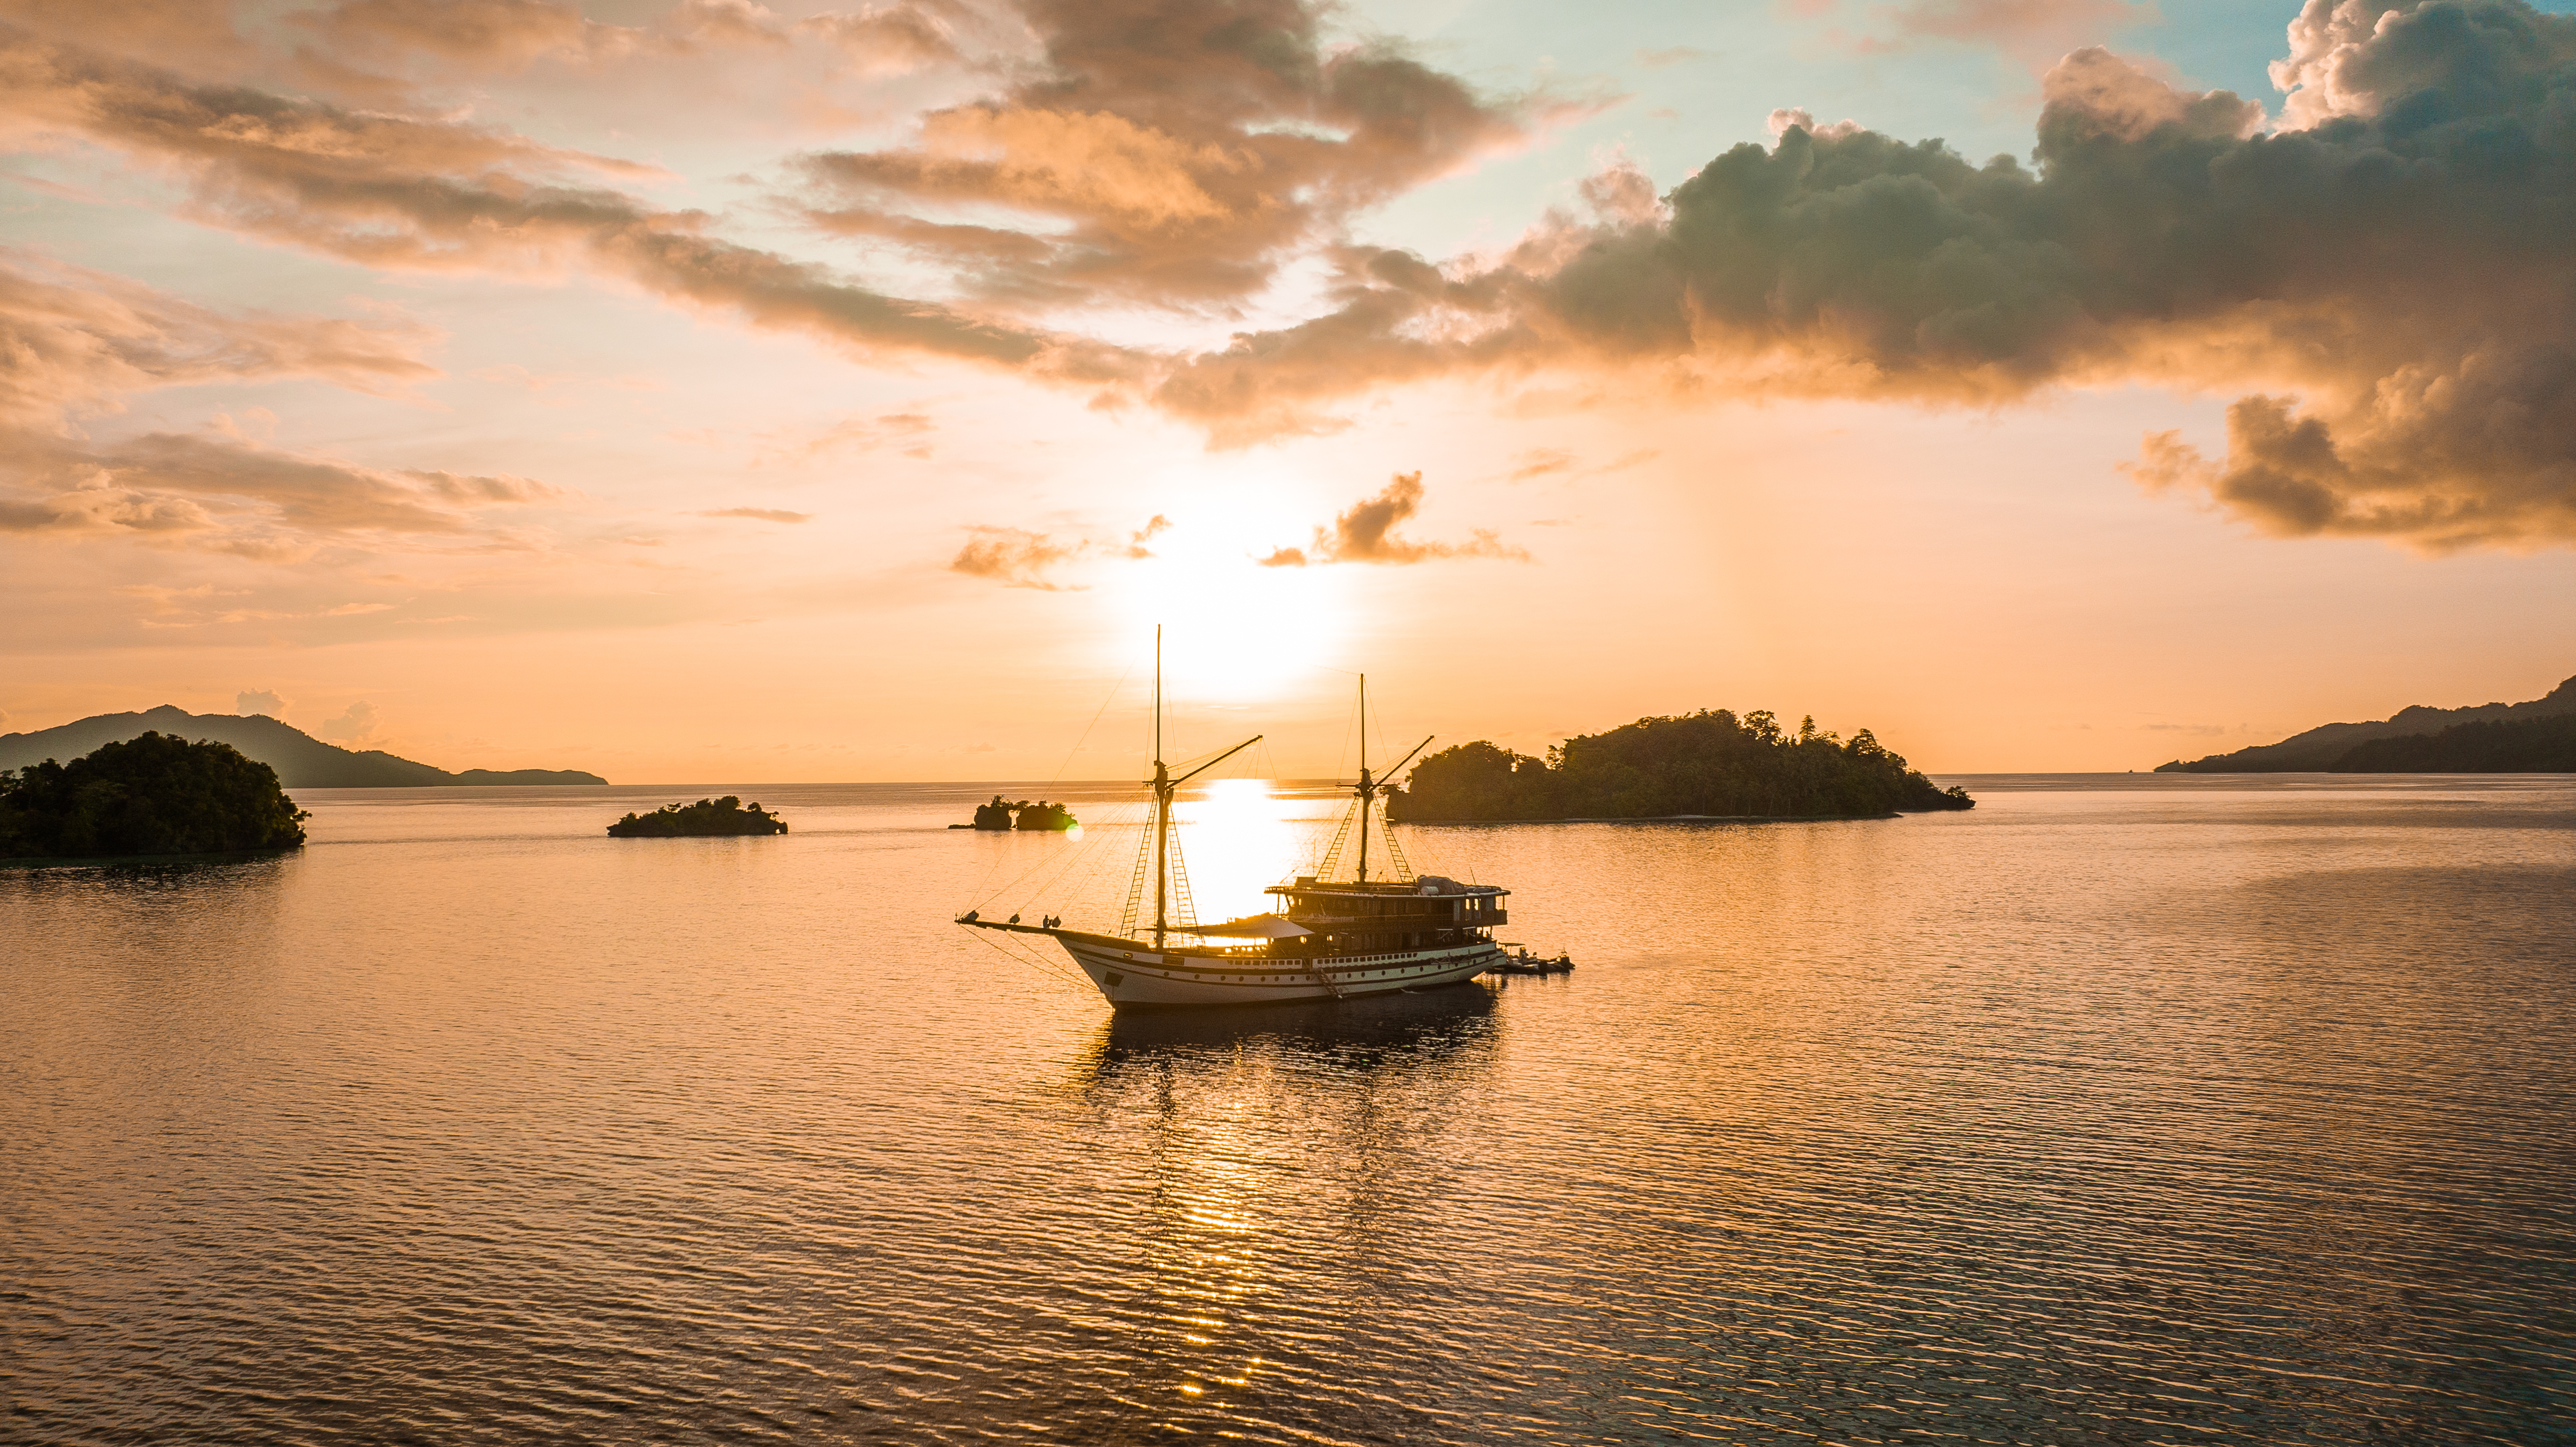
x: 2114, y: 1111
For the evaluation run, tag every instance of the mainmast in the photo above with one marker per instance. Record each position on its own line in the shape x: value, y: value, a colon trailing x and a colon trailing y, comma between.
x: 1165, y: 786
x: 1162, y: 792
x: 1368, y: 790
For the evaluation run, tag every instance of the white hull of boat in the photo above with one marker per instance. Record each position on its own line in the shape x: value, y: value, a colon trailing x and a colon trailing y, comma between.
x: 1132, y: 974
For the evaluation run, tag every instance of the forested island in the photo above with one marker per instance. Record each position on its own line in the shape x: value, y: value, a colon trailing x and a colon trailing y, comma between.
x: 1706, y: 764
x: 707, y: 817
x: 149, y: 795
x: 2490, y: 738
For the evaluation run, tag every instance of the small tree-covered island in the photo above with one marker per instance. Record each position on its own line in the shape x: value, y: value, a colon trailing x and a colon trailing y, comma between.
x: 1709, y: 764
x: 706, y: 817
x: 1022, y: 815
x: 152, y: 795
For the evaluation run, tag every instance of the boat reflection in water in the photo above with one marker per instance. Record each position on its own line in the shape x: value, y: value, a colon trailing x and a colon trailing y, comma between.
x: 1399, y: 1032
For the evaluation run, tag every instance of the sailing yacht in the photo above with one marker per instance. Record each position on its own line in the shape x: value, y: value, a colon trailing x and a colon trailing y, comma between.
x: 1333, y: 936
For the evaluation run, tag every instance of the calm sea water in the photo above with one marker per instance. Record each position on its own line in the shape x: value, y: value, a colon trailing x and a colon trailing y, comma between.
x: 2121, y: 1110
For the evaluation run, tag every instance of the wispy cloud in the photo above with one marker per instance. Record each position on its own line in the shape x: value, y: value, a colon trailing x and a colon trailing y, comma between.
x: 76, y: 343
x: 398, y: 191
x: 1020, y: 558
x: 390, y: 46
x: 74, y: 340
x: 907, y: 432
x: 1015, y: 557
x: 2036, y: 32
x: 1541, y: 461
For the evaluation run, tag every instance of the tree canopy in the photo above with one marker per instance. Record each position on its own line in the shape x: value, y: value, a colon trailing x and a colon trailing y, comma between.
x: 152, y: 794
x: 1709, y: 763
x: 705, y: 817
x: 2522, y: 746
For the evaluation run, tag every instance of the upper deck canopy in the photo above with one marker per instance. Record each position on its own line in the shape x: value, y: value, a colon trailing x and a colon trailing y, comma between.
x: 1428, y: 885
x: 1255, y: 927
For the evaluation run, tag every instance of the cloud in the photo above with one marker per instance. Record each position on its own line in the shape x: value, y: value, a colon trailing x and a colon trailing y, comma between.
x: 219, y: 493
x: 1548, y: 461
x: 908, y: 432
x: 760, y: 514
x: 74, y: 343
x: 893, y: 39
x: 404, y: 40
x: 260, y: 700
x: 2328, y: 72
x: 2036, y: 31
x: 468, y: 36
x: 1672, y: 55
x: 191, y: 28
x: 1170, y: 151
x: 1012, y: 556
x: 2383, y: 291
x: 394, y: 191
x: 1137, y: 540
x: 1366, y: 534
x: 1785, y: 119
x: 74, y: 340
x: 357, y: 727
x: 1540, y: 461
x: 1022, y: 559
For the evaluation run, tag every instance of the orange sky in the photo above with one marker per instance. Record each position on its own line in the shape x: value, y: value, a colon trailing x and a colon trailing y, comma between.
x: 719, y: 392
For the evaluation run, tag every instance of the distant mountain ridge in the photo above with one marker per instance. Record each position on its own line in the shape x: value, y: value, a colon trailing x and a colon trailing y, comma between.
x: 301, y: 760
x: 2337, y: 747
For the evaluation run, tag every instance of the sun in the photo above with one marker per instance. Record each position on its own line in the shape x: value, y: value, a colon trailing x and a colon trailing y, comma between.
x: 1234, y: 632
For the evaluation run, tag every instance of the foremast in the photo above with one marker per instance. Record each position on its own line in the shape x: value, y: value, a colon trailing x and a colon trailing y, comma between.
x: 1166, y: 864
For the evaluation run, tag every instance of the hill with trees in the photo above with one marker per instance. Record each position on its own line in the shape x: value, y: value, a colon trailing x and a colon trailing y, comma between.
x: 1708, y: 764
x: 2520, y: 746
x: 301, y: 760
x: 2324, y: 749
x: 150, y: 795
